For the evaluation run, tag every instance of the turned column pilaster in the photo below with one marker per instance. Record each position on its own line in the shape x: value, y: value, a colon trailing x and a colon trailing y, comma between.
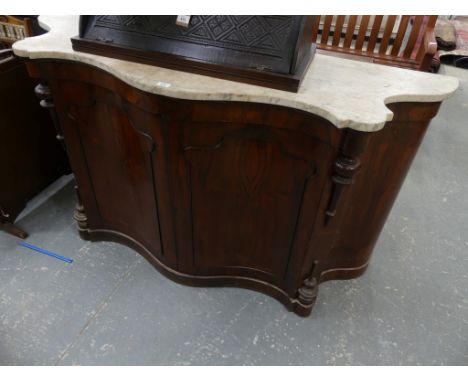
x: 43, y: 92
x: 345, y: 168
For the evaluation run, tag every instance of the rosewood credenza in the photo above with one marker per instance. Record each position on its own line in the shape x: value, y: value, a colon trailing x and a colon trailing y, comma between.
x: 218, y: 183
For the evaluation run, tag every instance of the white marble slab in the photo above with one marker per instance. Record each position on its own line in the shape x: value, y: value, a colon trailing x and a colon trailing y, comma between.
x: 348, y: 93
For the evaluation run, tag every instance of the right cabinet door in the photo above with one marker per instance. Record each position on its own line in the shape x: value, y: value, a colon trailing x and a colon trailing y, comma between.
x: 247, y: 196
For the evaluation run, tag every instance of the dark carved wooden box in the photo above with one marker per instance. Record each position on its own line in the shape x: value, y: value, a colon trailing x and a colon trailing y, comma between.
x: 272, y: 51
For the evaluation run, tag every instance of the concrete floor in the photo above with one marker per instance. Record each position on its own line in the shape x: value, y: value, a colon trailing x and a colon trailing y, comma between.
x: 110, y: 307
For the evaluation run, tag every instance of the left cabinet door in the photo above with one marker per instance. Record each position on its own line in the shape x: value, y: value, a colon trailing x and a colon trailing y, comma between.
x: 113, y: 155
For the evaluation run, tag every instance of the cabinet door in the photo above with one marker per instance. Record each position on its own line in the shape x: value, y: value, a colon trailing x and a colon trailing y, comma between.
x: 247, y: 197
x: 113, y: 155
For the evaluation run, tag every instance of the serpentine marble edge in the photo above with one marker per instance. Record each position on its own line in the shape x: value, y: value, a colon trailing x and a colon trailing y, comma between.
x: 348, y: 93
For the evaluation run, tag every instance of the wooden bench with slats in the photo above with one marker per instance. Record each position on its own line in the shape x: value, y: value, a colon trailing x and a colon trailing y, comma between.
x: 404, y: 41
x: 13, y: 29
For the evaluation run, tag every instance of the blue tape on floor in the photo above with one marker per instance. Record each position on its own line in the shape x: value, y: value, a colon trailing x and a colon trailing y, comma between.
x: 45, y: 252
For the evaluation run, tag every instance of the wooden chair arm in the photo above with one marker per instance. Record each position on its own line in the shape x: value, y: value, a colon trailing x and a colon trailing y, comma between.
x: 428, y: 51
x: 430, y: 42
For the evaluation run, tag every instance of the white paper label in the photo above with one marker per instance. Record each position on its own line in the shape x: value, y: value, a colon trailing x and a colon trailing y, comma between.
x: 183, y: 20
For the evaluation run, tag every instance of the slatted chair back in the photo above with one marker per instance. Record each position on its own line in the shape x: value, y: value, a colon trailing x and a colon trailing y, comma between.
x: 404, y: 41
x: 13, y: 29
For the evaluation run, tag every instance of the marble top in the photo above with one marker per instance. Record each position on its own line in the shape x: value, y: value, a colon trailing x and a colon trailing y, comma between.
x: 346, y: 92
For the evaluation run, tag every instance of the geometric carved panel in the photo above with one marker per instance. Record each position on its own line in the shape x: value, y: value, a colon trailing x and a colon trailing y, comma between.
x: 252, y: 34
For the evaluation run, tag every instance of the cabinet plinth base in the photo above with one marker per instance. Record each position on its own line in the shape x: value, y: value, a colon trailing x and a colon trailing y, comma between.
x: 291, y: 303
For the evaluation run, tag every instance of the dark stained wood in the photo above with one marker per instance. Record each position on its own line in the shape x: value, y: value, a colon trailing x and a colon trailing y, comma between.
x: 286, y: 82
x: 43, y: 93
x: 345, y: 167
x: 307, y: 293
x: 30, y: 156
x: 270, y: 51
x: 219, y: 193
x: 384, y: 165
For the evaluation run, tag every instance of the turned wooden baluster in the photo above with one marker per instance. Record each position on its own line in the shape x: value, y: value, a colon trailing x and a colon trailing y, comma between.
x: 345, y: 168
x: 44, y: 93
x: 80, y: 216
x: 307, y: 293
